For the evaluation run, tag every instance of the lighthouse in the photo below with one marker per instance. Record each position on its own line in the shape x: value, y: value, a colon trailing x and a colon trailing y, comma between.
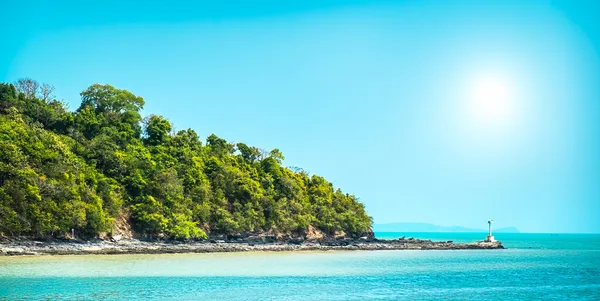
x: 490, y: 237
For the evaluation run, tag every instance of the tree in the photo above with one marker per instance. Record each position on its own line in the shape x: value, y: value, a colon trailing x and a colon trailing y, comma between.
x: 8, y: 96
x: 32, y: 89
x: 277, y: 155
x: 106, y: 98
x: 250, y: 154
x: 46, y: 92
x: 112, y: 111
x: 27, y: 86
x: 219, y: 146
x: 157, y: 129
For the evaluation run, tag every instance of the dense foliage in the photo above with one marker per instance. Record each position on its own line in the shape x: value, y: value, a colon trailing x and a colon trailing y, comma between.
x: 82, y: 170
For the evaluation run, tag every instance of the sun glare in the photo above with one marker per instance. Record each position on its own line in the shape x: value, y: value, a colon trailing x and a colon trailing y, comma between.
x: 491, y: 100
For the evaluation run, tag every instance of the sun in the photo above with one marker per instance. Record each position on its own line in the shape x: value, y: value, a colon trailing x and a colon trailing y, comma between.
x: 491, y: 100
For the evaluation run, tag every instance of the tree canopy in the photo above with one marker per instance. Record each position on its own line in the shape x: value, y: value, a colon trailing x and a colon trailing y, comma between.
x: 84, y: 170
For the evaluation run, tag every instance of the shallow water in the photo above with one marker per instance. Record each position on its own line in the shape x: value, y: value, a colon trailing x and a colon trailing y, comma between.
x: 536, y: 266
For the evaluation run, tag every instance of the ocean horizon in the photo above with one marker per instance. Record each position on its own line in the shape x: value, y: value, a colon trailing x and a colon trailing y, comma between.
x: 533, y: 267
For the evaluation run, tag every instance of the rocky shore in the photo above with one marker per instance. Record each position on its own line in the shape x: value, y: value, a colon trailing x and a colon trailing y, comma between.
x: 15, y: 247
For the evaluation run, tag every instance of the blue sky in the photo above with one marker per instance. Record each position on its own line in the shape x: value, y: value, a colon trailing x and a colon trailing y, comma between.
x: 389, y: 100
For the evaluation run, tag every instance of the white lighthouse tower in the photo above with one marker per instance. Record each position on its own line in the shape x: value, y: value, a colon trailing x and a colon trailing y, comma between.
x: 490, y: 237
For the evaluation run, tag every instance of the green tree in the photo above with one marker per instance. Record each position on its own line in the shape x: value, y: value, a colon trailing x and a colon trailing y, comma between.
x: 157, y: 129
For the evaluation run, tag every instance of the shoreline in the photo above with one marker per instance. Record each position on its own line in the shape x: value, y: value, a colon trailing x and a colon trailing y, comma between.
x: 133, y: 246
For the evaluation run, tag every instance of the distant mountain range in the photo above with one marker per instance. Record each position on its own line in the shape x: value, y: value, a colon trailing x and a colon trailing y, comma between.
x: 425, y: 227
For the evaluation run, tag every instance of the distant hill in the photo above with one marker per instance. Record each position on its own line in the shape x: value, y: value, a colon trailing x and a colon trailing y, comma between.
x: 507, y: 230
x: 426, y: 227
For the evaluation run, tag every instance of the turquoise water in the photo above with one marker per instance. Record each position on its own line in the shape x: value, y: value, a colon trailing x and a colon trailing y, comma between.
x: 535, y: 267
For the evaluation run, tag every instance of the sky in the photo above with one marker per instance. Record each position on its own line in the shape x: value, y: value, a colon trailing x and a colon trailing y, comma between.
x: 447, y: 112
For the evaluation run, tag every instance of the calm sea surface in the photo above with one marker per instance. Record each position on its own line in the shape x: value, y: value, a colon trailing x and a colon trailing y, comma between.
x: 535, y: 267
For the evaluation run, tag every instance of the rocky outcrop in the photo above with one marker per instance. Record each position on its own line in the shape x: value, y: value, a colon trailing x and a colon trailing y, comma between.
x: 122, y: 226
x: 131, y: 246
x: 314, y: 234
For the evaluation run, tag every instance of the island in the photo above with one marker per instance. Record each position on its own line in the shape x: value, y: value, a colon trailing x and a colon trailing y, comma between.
x: 103, y: 180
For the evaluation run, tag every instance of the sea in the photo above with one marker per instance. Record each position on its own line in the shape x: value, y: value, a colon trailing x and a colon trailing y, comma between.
x: 533, y: 267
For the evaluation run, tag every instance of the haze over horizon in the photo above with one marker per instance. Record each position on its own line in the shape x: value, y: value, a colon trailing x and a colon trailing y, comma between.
x: 440, y: 113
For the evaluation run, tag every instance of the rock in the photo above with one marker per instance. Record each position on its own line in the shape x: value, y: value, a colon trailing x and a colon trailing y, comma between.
x: 270, y: 239
x: 296, y: 241
x: 339, y: 235
x: 132, y: 246
x: 252, y: 239
x: 313, y: 233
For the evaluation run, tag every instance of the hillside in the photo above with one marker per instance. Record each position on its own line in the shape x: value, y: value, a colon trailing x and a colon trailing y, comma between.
x: 104, y: 170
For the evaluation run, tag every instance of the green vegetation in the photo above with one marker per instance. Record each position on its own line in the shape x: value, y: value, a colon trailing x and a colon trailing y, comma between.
x: 83, y: 170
